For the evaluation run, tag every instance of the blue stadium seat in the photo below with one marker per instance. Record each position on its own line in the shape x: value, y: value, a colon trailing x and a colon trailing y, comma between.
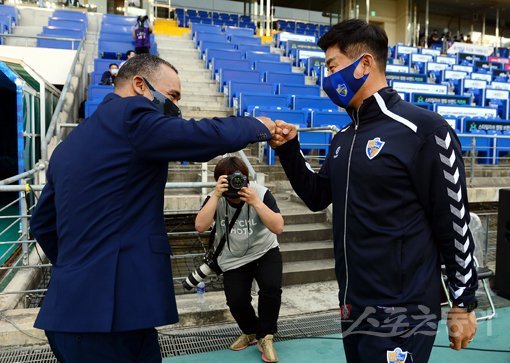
x: 326, y: 118
x: 286, y: 78
x: 297, y: 89
x: 254, y: 48
x: 227, y: 75
x: 113, y: 49
x: 90, y: 106
x: 266, y: 66
x: 68, y: 23
x: 232, y: 30
x: 118, y: 20
x: 102, y: 65
x: 249, y: 101
x: 241, y: 39
x: 254, y: 56
x: 112, y: 28
x: 98, y: 92
x: 204, y: 45
x: 58, y: 44
x: 11, y: 11
x: 69, y: 14
x: 236, y: 87
x: 239, y: 64
x: 211, y: 53
x: 52, y: 31
x: 313, y: 103
x: 210, y: 37
x: 205, y: 28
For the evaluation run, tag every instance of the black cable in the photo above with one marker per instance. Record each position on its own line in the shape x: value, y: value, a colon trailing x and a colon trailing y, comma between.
x: 205, y: 335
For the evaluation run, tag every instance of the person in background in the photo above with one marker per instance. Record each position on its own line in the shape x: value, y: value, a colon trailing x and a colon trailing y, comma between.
x: 99, y: 218
x: 108, y: 77
x: 251, y: 253
x: 129, y: 54
x: 142, y: 34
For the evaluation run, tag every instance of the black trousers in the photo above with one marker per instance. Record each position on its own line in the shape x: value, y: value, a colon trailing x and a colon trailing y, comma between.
x: 378, y: 341
x: 137, y: 346
x: 142, y: 50
x: 267, y: 271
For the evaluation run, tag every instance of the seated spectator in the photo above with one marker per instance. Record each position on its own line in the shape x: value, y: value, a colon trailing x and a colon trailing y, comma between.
x: 142, y: 35
x: 108, y: 77
x: 468, y: 39
x: 434, y: 38
x: 129, y: 54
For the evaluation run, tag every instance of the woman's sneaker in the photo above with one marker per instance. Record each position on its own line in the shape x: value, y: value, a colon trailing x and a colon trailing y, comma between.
x: 266, y: 347
x: 243, y: 341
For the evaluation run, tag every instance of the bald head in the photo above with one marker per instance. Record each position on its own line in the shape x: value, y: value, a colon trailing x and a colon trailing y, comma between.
x: 161, y: 75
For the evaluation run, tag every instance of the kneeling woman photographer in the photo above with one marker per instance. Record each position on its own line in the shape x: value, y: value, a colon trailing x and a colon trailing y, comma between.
x: 251, y: 252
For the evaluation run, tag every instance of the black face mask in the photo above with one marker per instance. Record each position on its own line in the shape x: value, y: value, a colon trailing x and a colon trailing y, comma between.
x: 167, y: 107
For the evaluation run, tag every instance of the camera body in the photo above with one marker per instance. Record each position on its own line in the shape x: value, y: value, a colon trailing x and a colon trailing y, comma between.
x: 209, y: 266
x: 236, y: 181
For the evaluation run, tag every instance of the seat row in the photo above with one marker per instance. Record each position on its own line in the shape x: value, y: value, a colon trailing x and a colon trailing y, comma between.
x: 68, y: 27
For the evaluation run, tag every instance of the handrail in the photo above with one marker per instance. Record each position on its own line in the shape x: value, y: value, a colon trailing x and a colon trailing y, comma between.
x: 15, y: 178
x: 60, y: 103
x: 173, y: 185
x: 73, y: 40
x: 251, y: 170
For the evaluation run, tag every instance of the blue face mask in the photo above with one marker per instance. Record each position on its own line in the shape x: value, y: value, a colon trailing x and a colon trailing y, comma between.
x: 341, y: 86
x: 167, y: 107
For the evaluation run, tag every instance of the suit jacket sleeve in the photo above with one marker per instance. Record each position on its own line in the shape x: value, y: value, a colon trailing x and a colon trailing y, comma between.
x: 312, y: 187
x: 156, y: 136
x: 440, y: 182
x: 43, y: 224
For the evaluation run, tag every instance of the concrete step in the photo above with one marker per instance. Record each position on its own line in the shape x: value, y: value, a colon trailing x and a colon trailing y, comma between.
x: 190, y: 103
x: 175, y: 46
x: 306, y: 232
x: 21, y: 42
x: 303, y: 272
x: 27, y: 30
x: 301, y: 215
x: 180, y: 54
x: 217, y: 98
x: 206, y: 107
x: 314, y: 250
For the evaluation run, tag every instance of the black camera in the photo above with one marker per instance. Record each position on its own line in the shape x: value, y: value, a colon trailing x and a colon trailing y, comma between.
x: 236, y: 181
x: 209, y: 266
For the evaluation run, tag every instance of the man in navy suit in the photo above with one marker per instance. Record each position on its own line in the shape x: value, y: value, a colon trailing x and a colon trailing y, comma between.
x: 99, y: 218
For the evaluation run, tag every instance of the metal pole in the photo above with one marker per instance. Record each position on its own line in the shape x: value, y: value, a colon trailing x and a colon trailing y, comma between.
x: 261, y: 18
x: 268, y: 18
x: 426, y: 23
x: 204, y: 179
x: 483, y: 30
x: 415, y: 16
x: 24, y: 226
x: 498, y: 43
x: 472, y: 176
x: 368, y: 11
x: 32, y: 131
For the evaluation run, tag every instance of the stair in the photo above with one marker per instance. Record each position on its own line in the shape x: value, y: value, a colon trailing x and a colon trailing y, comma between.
x: 200, y: 93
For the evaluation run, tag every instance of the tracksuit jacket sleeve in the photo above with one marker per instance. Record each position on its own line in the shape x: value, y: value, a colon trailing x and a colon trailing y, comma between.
x: 440, y: 182
x: 43, y: 223
x: 313, y: 188
x: 158, y: 137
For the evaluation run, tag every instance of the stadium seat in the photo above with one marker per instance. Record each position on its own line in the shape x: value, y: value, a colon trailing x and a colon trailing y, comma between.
x: 313, y: 103
x: 211, y: 53
x: 236, y: 87
x: 255, y: 56
x: 330, y: 118
x: 266, y: 66
x: 296, y: 89
x: 240, y: 64
x: 285, y: 78
x: 227, y: 75
x: 98, y: 92
x: 249, y: 101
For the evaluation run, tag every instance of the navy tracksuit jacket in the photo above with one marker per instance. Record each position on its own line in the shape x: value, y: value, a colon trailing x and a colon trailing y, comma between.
x: 396, y: 179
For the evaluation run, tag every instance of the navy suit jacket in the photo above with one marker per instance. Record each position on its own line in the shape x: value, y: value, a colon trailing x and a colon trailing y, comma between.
x: 99, y: 218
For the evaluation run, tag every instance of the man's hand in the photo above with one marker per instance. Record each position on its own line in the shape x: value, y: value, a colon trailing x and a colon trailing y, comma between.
x: 268, y: 123
x: 284, y: 132
x: 461, y: 327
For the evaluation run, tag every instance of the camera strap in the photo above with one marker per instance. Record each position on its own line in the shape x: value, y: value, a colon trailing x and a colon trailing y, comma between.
x: 223, y: 239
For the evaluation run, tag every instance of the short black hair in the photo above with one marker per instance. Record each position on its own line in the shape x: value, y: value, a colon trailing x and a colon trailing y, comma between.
x: 145, y: 65
x: 113, y: 64
x: 355, y: 37
x: 230, y: 165
x: 129, y: 52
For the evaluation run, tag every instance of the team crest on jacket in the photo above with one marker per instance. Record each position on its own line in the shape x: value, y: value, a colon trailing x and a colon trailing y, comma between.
x: 374, y: 147
x: 342, y: 90
x: 396, y: 356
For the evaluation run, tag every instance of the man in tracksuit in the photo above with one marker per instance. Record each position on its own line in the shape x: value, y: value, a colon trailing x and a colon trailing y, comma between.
x: 396, y: 179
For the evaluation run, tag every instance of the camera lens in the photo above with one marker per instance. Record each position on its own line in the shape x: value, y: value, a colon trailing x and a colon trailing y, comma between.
x: 237, y: 182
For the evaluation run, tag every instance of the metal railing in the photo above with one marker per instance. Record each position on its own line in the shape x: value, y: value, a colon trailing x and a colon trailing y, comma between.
x: 20, y: 36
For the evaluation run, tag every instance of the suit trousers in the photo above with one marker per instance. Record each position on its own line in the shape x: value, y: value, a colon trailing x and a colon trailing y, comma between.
x: 136, y: 346
x: 267, y: 271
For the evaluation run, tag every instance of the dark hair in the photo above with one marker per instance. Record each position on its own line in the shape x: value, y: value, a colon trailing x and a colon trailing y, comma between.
x: 145, y: 65
x: 113, y: 64
x: 129, y: 52
x: 355, y: 37
x: 229, y: 165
